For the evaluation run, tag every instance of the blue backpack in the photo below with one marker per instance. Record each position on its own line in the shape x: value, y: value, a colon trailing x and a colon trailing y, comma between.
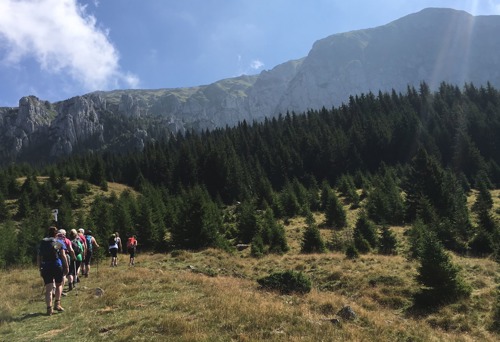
x: 89, y: 242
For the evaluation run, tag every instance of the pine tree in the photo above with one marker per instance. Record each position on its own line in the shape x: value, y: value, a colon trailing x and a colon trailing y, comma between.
x: 312, y: 242
x: 387, y: 242
x: 4, y: 212
x: 9, y: 253
x: 351, y: 252
x: 273, y: 233
x: 384, y: 202
x: 100, y: 217
x: 257, y: 247
x: 247, y: 222
x: 365, y: 233
x: 65, y: 217
x: 289, y: 201
x: 23, y: 206
x: 483, y: 202
x: 416, y: 239
x: 425, y: 178
x: 98, y: 174
x: 347, y: 188
x: 198, y: 222
x: 335, y: 215
x: 439, y: 277
x: 147, y: 234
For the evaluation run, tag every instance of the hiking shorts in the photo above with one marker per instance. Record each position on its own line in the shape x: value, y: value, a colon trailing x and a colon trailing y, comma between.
x: 72, y: 270
x: 88, y: 257
x: 113, y: 252
x: 131, y: 251
x: 51, y: 274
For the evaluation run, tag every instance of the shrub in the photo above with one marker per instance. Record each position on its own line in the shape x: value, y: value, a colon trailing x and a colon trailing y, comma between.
x: 286, y: 282
x: 351, y: 252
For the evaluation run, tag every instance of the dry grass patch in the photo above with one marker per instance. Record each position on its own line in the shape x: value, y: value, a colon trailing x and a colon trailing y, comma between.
x: 162, y: 298
x: 213, y: 295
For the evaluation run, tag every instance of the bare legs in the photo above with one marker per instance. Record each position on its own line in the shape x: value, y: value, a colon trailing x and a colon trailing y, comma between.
x: 57, y: 297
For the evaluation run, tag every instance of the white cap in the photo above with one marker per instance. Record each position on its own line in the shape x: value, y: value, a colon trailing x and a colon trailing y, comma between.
x: 81, y: 230
x: 61, y: 231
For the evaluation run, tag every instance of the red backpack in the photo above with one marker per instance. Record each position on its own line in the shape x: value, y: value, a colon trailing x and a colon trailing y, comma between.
x: 131, y: 242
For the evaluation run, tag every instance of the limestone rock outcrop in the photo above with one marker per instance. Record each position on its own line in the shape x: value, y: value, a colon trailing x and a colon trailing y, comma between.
x: 433, y: 46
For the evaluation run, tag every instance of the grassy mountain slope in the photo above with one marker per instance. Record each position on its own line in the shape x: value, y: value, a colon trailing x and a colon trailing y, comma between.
x: 212, y: 295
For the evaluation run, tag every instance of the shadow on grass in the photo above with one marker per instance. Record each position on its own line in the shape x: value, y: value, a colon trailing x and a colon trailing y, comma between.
x: 429, y: 301
x: 26, y: 316
x: 8, y: 318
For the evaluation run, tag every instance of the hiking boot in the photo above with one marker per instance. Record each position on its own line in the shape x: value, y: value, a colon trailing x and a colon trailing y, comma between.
x: 58, y: 306
x: 50, y: 311
x: 70, y: 286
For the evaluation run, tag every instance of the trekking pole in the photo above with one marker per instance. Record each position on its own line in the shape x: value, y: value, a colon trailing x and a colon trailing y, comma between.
x: 74, y: 278
x: 97, y: 262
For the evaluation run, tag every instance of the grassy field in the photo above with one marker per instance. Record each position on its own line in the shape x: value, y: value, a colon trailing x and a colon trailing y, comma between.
x: 213, y: 295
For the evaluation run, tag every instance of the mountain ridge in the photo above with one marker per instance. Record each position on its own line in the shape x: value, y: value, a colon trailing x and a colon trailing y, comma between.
x: 434, y: 45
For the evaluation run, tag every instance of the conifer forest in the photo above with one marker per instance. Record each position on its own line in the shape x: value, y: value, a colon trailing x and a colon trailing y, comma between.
x: 404, y: 158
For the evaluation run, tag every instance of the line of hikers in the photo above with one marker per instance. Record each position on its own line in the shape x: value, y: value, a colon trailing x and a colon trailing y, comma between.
x: 60, y: 258
x: 115, y: 245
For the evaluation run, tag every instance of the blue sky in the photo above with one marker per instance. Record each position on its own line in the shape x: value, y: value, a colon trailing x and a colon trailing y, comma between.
x: 56, y: 49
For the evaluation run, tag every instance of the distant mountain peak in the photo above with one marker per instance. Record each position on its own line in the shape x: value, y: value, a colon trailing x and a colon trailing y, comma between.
x: 434, y: 45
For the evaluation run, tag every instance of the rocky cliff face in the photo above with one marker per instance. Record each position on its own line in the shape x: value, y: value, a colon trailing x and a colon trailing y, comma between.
x: 25, y: 125
x: 434, y: 45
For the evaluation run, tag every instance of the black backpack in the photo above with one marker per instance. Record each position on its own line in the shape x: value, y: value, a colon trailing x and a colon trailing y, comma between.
x: 76, y: 247
x: 48, y: 250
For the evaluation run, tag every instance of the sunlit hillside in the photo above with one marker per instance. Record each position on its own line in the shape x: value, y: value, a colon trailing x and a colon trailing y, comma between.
x: 212, y: 295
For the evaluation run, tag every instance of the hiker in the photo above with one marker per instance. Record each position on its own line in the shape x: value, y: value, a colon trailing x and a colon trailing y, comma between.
x: 70, y: 254
x: 81, y: 236
x: 131, y: 247
x: 113, y: 249
x: 119, y: 241
x: 92, y: 245
x: 53, y: 266
x: 75, y: 262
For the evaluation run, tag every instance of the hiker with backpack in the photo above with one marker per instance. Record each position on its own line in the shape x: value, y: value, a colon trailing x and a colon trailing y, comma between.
x: 53, y: 266
x: 131, y: 247
x: 74, y: 262
x: 70, y: 253
x: 92, y: 245
x: 113, y: 249
x: 81, y: 236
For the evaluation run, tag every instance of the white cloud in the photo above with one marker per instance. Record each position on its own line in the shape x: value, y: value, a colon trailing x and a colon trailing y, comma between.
x: 63, y: 39
x: 256, y: 64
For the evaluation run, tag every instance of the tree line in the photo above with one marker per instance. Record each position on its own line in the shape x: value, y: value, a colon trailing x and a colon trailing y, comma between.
x: 405, y: 158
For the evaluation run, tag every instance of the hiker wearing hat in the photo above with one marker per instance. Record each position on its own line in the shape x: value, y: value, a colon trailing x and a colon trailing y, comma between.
x: 53, y: 266
x: 92, y: 245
